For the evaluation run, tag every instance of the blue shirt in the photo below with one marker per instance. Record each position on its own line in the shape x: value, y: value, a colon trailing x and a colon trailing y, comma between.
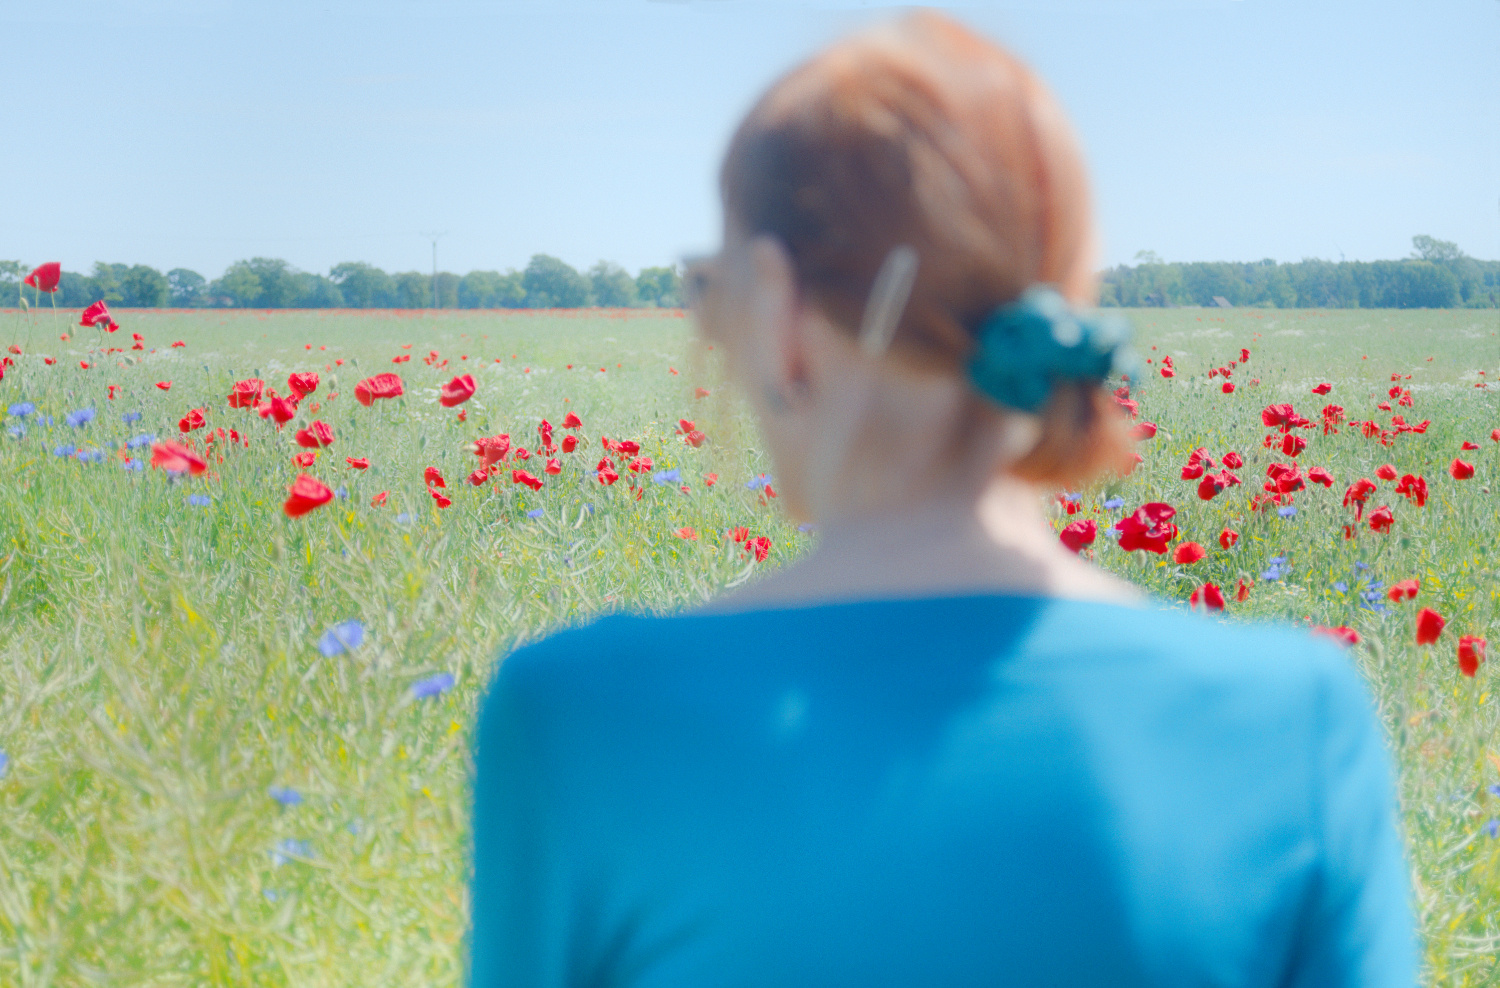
x: 986, y: 790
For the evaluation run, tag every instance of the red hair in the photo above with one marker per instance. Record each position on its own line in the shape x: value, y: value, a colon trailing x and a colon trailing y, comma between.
x: 922, y: 133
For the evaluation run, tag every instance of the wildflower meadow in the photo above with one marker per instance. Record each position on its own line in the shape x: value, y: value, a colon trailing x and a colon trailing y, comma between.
x: 256, y: 568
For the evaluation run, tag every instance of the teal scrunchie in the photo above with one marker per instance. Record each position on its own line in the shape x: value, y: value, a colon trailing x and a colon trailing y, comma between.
x: 1028, y: 345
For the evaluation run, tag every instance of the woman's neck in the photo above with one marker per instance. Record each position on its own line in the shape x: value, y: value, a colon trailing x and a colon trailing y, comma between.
x: 995, y: 542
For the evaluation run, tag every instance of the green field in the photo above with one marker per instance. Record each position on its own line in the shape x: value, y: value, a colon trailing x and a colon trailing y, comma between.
x: 160, y: 669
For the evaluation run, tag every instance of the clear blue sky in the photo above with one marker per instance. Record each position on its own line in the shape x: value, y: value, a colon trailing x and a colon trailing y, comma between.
x: 193, y: 133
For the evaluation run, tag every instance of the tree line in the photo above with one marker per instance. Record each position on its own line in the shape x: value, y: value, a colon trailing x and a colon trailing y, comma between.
x: 271, y: 283
x: 1436, y: 276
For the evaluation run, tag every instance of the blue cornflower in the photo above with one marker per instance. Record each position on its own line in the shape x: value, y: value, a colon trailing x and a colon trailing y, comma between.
x: 672, y: 476
x: 144, y: 439
x: 432, y: 685
x: 22, y: 409
x: 1361, y: 565
x: 288, y: 849
x: 1278, y: 560
x: 1492, y: 827
x: 1272, y: 572
x: 342, y: 493
x: 285, y: 795
x: 1114, y: 503
x: 4, y: 764
x: 91, y: 456
x: 1287, y: 511
x: 1074, y: 497
x: 403, y: 518
x: 270, y: 894
x: 345, y: 636
x: 16, y: 431
x: 199, y: 500
x: 130, y: 417
x: 80, y: 418
x: 67, y: 449
x: 758, y: 481
x: 807, y: 526
x: 535, y: 513
x: 1493, y: 790
x: 135, y: 465
x: 1341, y: 586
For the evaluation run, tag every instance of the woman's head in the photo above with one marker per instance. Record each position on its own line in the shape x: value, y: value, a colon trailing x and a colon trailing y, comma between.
x: 922, y: 134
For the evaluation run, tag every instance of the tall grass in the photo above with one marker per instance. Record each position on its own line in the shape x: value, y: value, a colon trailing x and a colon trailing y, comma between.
x: 160, y: 675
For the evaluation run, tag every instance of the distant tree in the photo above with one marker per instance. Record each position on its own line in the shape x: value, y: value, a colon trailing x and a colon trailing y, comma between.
x: 313, y: 291
x: 187, y: 289
x: 364, y: 286
x: 491, y: 290
x: 553, y: 284
x: 447, y: 290
x: 1427, y: 248
x: 413, y: 290
x: 76, y: 290
x: 1422, y: 285
x: 144, y: 287
x: 661, y: 287
x: 106, y: 281
x: 239, y: 287
x: 612, y: 286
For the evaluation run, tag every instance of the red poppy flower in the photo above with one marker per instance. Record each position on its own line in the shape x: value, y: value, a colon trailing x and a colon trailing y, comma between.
x: 1188, y: 553
x: 544, y: 430
x: 177, y: 458
x: 700, y: 392
x: 1413, y: 488
x: 695, y: 439
x: 1149, y: 527
x: 522, y: 453
x: 456, y: 391
x: 554, y: 467
x: 1386, y: 471
x: 1403, y: 590
x: 98, y: 315
x: 1228, y: 538
x: 380, y: 386
x: 281, y: 409
x: 1143, y: 430
x: 761, y: 546
x: 379, y: 499
x: 684, y: 426
x: 192, y: 420
x: 627, y: 447
x: 83, y: 365
x: 739, y: 533
x: 606, y: 472
x: 569, y: 443
x: 303, y: 385
x: 1359, y: 492
x: 1495, y: 435
x: 315, y: 436
x: 522, y: 477
x: 1430, y: 626
x: 1343, y: 634
x: 1292, y: 445
x: 1284, y: 478
x: 641, y: 464
x: 1227, y: 387
x: 1320, y: 475
x: 1210, y: 486
x: 1381, y: 520
x: 357, y: 462
x: 1470, y: 654
x: 305, y: 459
x: 1322, y: 389
x: 1192, y: 471
x: 306, y: 493
x: 1233, y: 460
x: 1208, y: 596
x: 1244, y: 355
x: 1278, y: 417
x: 44, y: 277
x: 441, y: 500
x: 179, y: 343
x: 1241, y: 591
x: 246, y: 393
x: 479, y: 476
x: 687, y: 533
x: 1078, y: 534
x: 1167, y: 371
x: 709, y: 479
x: 572, y: 421
x: 1460, y: 469
x: 433, y: 478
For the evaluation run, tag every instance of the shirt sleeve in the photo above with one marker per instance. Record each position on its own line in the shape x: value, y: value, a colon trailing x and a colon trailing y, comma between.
x: 1358, y: 930
x: 517, y: 905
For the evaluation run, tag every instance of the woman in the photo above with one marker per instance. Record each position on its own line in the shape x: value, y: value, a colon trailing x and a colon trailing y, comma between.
x: 940, y: 750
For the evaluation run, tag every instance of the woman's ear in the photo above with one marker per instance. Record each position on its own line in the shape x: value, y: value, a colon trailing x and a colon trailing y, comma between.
x: 777, y: 314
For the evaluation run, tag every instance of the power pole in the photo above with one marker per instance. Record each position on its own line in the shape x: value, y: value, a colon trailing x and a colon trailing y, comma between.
x: 434, y: 238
